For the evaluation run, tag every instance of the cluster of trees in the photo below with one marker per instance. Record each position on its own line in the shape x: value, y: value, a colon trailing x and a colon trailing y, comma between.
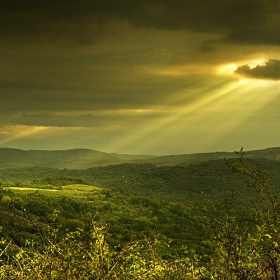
x: 116, y: 234
x: 129, y: 216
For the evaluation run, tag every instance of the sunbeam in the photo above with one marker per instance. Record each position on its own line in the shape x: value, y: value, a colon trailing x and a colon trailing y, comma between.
x: 208, y: 118
x: 12, y: 133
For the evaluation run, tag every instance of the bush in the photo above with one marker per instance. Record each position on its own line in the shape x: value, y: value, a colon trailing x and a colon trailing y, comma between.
x: 80, y: 255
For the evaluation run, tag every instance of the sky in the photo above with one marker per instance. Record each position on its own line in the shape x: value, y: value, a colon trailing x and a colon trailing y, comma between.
x: 140, y: 77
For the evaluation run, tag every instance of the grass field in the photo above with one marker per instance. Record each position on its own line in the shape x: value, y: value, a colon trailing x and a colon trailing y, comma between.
x: 67, y: 190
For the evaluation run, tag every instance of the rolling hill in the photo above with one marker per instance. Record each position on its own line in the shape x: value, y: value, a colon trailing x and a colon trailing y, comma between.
x: 86, y: 158
x: 73, y: 159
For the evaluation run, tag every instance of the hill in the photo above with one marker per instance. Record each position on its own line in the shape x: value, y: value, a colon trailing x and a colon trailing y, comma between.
x: 175, y: 183
x: 269, y: 153
x: 86, y: 158
x: 74, y: 158
x: 185, y: 204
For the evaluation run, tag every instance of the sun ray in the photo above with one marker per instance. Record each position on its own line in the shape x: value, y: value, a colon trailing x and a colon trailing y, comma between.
x: 12, y: 133
x: 173, y: 116
x: 217, y: 113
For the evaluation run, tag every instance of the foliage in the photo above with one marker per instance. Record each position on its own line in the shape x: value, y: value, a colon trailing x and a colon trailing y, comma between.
x: 233, y: 233
x: 129, y: 216
x: 86, y: 255
x: 247, y: 248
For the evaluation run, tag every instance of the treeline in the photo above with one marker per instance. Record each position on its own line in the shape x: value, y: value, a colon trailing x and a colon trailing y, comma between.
x: 178, y: 183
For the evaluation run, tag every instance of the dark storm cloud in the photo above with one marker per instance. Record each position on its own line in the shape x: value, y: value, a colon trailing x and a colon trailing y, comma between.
x: 88, y: 82
x: 52, y: 21
x: 270, y: 71
x: 243, y: 21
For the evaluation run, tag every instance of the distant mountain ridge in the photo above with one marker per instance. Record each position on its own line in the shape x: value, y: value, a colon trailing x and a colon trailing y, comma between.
x: 86, y: 158
x: 268, y: 153
x: 73, y: 158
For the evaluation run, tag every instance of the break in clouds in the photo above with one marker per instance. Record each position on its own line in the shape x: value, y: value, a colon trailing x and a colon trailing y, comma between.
x: 269, y: 71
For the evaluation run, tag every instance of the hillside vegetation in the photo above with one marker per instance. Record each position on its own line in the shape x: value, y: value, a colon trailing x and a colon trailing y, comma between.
x: 75, y: 158
x: 86, y: 158
x: 210, y: 220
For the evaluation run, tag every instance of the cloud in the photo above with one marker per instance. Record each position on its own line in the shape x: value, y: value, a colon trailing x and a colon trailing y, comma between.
x: 270, y: 70
x: 81, y: 22
x: 93, y: 119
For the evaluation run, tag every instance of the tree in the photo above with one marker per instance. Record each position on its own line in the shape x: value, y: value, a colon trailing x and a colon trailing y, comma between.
x: 246, y: 247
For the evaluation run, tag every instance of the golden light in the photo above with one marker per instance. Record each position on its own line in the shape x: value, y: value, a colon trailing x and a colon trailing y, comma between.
x: 11, y: 133
x: 217, y: 111
x: 229, y: 68
x: 204, y: 114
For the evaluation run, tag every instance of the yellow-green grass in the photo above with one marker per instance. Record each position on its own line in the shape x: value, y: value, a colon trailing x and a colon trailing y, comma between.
x: 81, y: 187
x: 28, y: 189
x: 67, y: 190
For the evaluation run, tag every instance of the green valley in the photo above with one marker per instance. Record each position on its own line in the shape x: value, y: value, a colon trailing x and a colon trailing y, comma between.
x: 188, y: 208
